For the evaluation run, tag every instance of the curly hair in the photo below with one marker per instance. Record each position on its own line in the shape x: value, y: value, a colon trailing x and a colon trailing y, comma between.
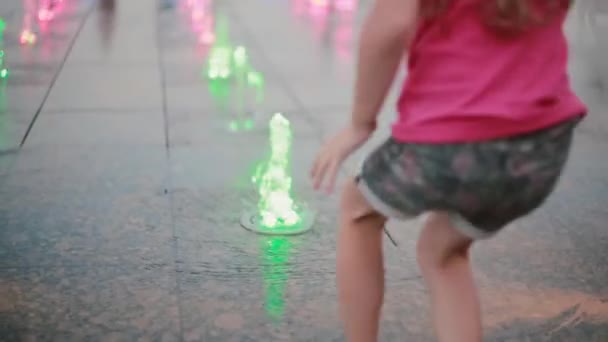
x: 508, y: 17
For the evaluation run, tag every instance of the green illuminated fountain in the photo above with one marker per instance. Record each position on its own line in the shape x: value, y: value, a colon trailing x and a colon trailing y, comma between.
x: 278, y: 213
x: 231, y: 76
x: 243, y: 120
x: 276, y: 206
x: 228, y: 68
x: 219, y: 63
x: 2, y: 29
x: 246, y: 74
x: 277, y: 216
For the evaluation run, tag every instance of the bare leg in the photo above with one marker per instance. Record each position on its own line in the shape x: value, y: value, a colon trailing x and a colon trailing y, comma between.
x: 443, y: 256
x: 360, y: 266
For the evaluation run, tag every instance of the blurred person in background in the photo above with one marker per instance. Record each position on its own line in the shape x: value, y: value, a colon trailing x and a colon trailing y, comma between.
x: 107, y: 18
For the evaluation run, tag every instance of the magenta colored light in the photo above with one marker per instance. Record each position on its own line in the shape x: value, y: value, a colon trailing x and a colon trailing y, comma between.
x: 198, y: 14
x: 346, y: 5
x: 318, y: 8
x: 319, y: 3
x: 45, y: 14
x: 299, y: 7
x: 206, y: 37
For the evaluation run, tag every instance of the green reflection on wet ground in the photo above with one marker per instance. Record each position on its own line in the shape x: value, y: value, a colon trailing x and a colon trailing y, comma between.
x: 275, y: 270
x: 277, y: 213
x: 231, y: 81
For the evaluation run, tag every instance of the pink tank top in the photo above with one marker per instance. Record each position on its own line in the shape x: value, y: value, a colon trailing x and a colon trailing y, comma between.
x: 466, y: 84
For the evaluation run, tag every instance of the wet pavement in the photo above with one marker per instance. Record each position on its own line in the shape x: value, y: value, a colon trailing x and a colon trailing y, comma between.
x: 127, y: 159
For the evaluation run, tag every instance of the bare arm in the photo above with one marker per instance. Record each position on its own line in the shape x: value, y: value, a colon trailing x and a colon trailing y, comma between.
x: 383, y: 41
x: 385, y: 35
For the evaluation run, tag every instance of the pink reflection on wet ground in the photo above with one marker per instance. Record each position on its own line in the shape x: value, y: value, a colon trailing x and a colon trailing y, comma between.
x: 201, y: 19
x: 332, y: 21
x: 27, y: 35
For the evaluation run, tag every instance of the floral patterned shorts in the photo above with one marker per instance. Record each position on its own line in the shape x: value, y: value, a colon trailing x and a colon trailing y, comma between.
x: 484, y: 186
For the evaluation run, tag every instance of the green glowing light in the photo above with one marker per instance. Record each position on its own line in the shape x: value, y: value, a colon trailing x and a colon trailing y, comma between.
x: 224, y: 60
x: 3, y: 70
x: 276, y: 207
x: 233, y: 126
x: 241, y: 125
x: 240, y: 58
x: 222, y: 32
x: 275, y: 259
x: 219, y: 62
x: 248, y: 124
x: 220, y: 92
x: 256, y: 80
x: 234, y: 85
x: 2, y: 25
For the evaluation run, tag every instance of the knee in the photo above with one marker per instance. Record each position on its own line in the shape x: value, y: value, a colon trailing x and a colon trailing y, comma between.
x: 433, y: 258
x: 354, y: 207
x: 440, y: 246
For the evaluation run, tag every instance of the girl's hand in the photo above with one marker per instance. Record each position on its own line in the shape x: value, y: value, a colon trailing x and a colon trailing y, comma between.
x: 334, y: 152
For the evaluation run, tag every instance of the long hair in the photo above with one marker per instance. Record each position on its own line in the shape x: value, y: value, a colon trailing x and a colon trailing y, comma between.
x: 506, y: 17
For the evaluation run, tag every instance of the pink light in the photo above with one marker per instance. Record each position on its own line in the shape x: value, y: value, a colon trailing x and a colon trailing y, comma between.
x: 346, y: 5
x: 319, y: 3
x: 343, y: 38
x: 45, y: 14
x: 299, y: 7
x: 318, y: 8
x: 44, y: 27
x: 198, y: 14
x: 206, y: 38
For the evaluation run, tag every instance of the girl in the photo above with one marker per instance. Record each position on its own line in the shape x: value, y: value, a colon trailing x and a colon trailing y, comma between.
x: 486, y: 118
